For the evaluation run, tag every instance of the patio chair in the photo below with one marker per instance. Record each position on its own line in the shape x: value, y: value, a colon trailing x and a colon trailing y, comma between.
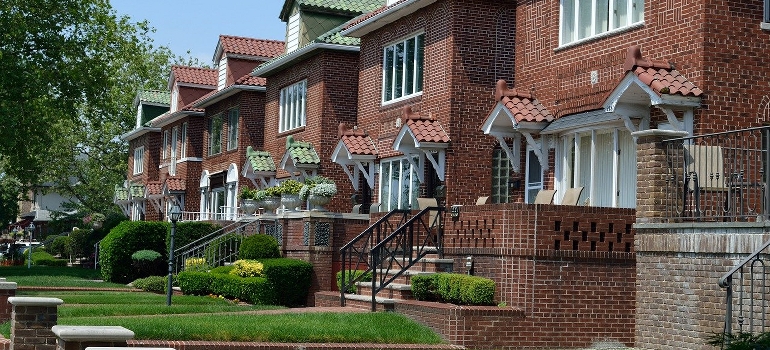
x: 544, y: 197
x: 704, y: 172
x: 572, y: 196
x: 482, y: 200
x: 423, y: 203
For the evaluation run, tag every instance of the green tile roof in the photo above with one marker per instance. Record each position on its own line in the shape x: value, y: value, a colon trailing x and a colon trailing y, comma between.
x: 155, y: 96
x: 353, y: 6
x: 334, y: 37
x: 260, y: 161
x: 121, y: 193
x: 301, y: 152
x: 137, y: 190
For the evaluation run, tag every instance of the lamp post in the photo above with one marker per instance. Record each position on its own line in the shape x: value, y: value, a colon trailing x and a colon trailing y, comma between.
x: 175, y: 214
x: 31, y: 229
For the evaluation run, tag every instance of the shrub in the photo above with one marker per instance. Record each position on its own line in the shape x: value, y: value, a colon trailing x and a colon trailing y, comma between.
x: 740, y: 341
x: 259, y: 246
x: 189, y: 231
x: 289, y: 278
x: 78, y: 245
x: 219, y: 248
x: 153, y: 284
x: 125, y: 239
x: 222, y: 269
x: 351, y: 275
x: 57, y: 246
x: 195, y: 283
x: 196, y: 264
x: 247, y: 268
x: 42, y: 258
x: 255, y: 290
x: 454, y: 288
x: 290, y: 187
x: 147, y: 263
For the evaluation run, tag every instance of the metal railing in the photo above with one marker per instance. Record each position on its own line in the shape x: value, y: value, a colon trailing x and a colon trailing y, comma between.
x: 718, y: 177
x: 221, y: 246
x: 748, y: 281
x: 386, y: 255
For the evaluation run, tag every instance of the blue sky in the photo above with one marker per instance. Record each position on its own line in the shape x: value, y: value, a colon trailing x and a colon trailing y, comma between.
x: 195, y: 25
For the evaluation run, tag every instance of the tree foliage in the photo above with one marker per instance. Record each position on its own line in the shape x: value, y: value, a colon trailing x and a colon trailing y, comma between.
x: 71, y: 70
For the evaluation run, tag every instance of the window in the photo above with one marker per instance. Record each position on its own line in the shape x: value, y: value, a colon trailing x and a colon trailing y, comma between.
x: 603, y: 162
x: 174, y: 138
x: 399, y: 185
x: 292, y: 106
x: 183, y: 146
x: 138, y: 160
x: 215, y: 135
x: 534, y: 176
x: 501, y: 171
x: 175, y: 99
x: 402, y: 69
x: 292, y: 33
x: 581, y: 19
x: 222, y: 78
x: 166, y: 141
x: 232, y: 129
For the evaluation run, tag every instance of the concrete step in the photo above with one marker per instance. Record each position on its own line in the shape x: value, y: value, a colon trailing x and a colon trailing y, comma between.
x: 391, y: 291
x: 406, y: 277
x: 364, y: 302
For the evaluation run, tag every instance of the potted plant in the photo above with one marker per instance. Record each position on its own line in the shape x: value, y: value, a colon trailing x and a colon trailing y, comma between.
x: 318, y: 191
x: 289, y: 190
x: 269, y: 198
x: 249, y: 200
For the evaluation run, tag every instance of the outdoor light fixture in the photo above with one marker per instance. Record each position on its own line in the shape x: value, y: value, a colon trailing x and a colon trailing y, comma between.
x: 454, y: 212
x: 175, y: 213
x: 31, y: 229
x: 469, y: 264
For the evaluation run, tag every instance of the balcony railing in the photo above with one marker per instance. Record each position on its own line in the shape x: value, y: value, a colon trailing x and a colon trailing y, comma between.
x: 718, y: 177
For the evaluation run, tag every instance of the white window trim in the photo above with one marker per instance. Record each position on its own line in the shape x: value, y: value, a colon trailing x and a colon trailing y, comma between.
x: 222, y: 73
x: 413, y: 169
x: 183, y: 142
x: 292, y: 111
x: 138, y: 160
x: 538, y: 185
x: 174, y: 139
x: 175, y: 99
x: 595, y: 35
x: 232, y: 133
x: 166, y: 139
x: 212, y: 137
x: 414, y: 67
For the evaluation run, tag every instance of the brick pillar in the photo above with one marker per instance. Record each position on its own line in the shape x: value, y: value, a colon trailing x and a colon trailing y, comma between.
x: 31, y: 322
x: 82, y: 337
x: 7, y: 290
x: 652, y: 173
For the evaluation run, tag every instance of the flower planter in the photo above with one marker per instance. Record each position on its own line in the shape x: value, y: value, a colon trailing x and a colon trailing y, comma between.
x: 270, y: 204
x: 318, y: 202
x: 291, y: 201
x: 249, y: 206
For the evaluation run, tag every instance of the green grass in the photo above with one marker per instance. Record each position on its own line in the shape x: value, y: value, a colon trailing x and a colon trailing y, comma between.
x: 41, y: 276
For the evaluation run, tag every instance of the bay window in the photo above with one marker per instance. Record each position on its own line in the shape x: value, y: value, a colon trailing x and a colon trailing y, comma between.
x: 582, y: 19
x: 402, y: 69
x: 292, y: 105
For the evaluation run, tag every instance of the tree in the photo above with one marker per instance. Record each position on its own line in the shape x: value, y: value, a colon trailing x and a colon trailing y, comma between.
x: 70, y: 73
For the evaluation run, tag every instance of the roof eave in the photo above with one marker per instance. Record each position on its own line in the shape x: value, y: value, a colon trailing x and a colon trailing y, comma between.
x: 138, y: 132
x: 276, y: 66
x: 176, y: 116
x: 227, y: 92
x: 386, y: 17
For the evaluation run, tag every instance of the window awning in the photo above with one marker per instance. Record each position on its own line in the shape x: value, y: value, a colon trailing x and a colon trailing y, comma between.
x: 300, y: 157
x: 356, y: 153
x: 653, y: 83
x: 154, y: 194
x: 136, y: 193
x: 260, y: 167
x: 121, y: 199
x: 515, y: 114
x: 423, y: 136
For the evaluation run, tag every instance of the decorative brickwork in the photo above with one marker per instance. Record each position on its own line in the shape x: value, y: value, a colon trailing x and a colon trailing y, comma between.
x: 7, y: 290
x: 31, y: 322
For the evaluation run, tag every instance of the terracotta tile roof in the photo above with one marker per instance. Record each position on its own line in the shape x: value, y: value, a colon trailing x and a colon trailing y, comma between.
x: 174, y: 184
x: 424, y: 128
x: 121, y: 193
x: 660, y: 76
x: 194, y: 75
x: 155, y: 96
x: 356, y: 141
x: 250, y: 46
x: 154, y: 188
x: 250, y: 80
x: 301, y: 152
x: 522, y: 106
x: 261, y: 161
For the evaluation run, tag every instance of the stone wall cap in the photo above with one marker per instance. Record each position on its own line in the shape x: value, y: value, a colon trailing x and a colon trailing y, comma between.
x: 660, y: 133
x: 34, y: 301
x: 92, y: 333
x: 123, y: 348
x: 7, y: 285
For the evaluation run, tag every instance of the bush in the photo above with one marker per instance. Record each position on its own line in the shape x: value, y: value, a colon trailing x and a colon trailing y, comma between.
x: 195, y: 283
x: 57, y: 245
x: 42, y: 258
x: 79, y: 245
x: 290, y: 278
x: 125, y: 239
x: 353, y: 274
x: 454, y: 288
x: 196, y: 264
x: 148, y: 263
x: 222, y: 269
x: 740, y: 341
x: 219, y: 248
x: 247, y: 268
x: 188, y: 232
x: 152, y: 284
x: 259, y: 246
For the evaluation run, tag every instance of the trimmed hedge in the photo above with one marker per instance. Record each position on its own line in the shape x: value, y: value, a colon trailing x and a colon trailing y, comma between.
x: 147, y: 263
x: 189, y: 231
x: 259, y: 246
x: 43, y: 258
x: 125, y: 239
x: 285, y: 282
x: 355, y: 274
x: 152, y: 284
x: 454, y: 288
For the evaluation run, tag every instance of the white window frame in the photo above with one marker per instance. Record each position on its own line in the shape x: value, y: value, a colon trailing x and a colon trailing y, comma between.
x: 501, y: 175
x: 222, y: 73
x: 570, y: 16
x: 292, y: 107
x: 175, y: 98
x: 138, y: 160
x: 166, y: 140
x: 174, y: 138
x: 232, y: 128
x: 213, y: 137
x: 531, y: 188
x: 183, y: 142
x: 410, y: 179
x: 390, y: 67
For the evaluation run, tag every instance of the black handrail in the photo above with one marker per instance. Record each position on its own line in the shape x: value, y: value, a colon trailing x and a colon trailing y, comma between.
x: 756, y: 281
x: 197, y: 248
x: 356, y: 252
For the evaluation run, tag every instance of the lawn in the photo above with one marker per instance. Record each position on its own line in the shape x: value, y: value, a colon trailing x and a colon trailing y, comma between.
x: 207, y: 318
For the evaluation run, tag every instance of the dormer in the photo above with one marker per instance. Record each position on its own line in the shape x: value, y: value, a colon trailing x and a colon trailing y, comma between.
x: 306, y: 20
x: 150, y: 104
x: 188, y: 84
x: 236, y: 56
